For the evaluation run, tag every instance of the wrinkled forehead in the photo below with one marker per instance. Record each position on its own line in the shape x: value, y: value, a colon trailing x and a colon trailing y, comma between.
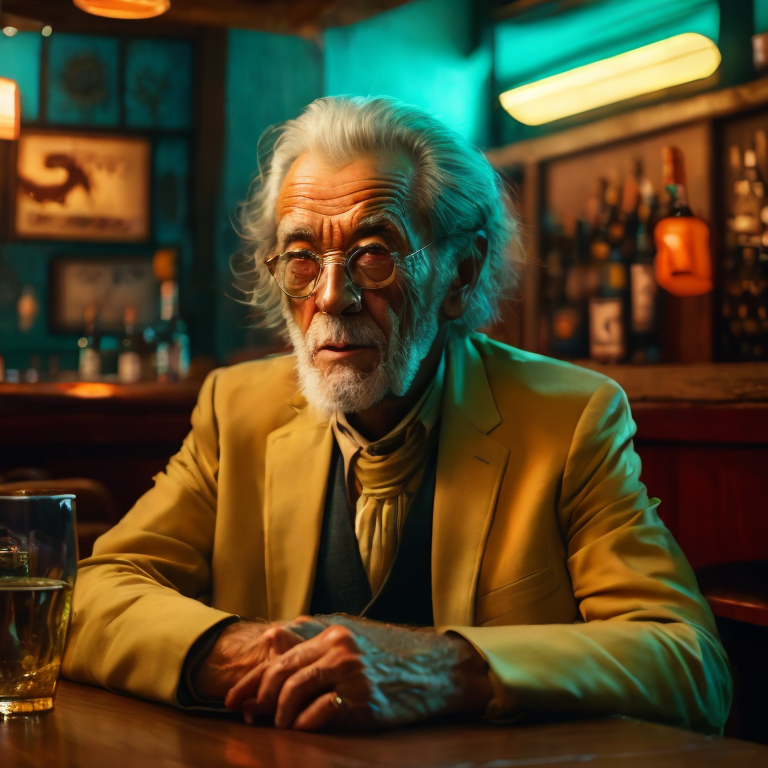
x: 318, y: 193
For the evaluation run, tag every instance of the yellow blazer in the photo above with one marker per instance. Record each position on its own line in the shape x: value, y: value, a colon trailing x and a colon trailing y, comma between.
x: 547, y: 553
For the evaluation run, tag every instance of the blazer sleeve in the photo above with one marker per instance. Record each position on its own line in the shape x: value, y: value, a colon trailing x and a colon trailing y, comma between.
x: 140, y: 601
x: 647, y: 646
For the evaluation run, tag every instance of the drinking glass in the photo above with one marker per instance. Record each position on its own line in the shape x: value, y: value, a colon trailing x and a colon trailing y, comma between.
x: 38, y: 565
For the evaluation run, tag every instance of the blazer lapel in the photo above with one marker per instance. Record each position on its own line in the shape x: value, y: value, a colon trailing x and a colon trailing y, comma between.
x: 297, y: 462
x: 470, y: 469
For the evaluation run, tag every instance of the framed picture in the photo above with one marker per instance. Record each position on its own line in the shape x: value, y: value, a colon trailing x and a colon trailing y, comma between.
x: 108, y: 284
x: 80, y: 187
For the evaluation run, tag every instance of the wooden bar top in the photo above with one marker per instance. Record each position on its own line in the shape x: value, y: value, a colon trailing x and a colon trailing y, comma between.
x: 92, y: 728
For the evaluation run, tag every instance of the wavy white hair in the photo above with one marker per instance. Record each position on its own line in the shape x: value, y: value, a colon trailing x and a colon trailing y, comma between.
x: 454, y: 189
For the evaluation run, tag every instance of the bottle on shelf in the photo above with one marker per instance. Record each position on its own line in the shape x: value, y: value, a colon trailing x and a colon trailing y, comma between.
x: 748, y: 203
x: 644, y: 341
x: 129, y: 363
x: 683, y: 262
x: 89, y: 357
x: 615, y: 217
x: 567, y: 331
x: 170, y: 338
x: 607, y: 316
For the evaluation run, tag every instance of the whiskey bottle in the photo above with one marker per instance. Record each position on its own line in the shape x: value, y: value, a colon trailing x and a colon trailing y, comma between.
x: 89, y: 358
x: 683, y: 262
x: 607, y: 316
x: 172, y: 340
x: 129, y: 365
x: 642, y: 279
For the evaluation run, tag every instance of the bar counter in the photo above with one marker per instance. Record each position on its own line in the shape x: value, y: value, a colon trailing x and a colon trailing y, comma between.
x: 92, y: 728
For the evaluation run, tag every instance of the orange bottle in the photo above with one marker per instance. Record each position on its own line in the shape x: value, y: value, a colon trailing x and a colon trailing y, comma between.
x: 683, y: 261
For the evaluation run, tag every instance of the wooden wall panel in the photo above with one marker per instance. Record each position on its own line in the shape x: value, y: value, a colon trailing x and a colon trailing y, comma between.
x: 713, y: 498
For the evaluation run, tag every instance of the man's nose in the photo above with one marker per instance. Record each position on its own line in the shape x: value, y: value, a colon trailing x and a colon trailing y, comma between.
x: 335, y: 293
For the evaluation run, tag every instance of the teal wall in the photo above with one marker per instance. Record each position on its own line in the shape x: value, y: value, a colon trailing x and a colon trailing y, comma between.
x: 270, y: 78
x: 431, y: 53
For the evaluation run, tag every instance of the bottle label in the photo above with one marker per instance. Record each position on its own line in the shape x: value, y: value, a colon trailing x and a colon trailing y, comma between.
x: 129, y: 367
x: 644, y: 290
x: 89, y: 367
x: 606, y: 330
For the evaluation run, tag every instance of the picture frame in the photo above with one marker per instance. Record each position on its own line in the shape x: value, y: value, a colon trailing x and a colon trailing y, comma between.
x: 110, y: 284
x: 82, y: 187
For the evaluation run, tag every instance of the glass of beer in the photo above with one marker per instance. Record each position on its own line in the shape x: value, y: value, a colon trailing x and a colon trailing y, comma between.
x: 38, y: 565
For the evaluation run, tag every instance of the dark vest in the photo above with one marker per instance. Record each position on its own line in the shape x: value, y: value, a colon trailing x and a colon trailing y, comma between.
x: 341, y: 585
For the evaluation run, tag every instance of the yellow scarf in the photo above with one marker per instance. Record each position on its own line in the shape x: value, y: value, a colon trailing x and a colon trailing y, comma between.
x: 387, y: 474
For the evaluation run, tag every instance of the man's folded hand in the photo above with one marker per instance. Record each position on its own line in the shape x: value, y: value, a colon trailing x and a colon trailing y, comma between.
x: 244, y: 647
x: 361, y: 674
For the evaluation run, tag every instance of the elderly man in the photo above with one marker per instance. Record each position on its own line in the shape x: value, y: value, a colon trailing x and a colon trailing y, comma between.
x: 403, y: 519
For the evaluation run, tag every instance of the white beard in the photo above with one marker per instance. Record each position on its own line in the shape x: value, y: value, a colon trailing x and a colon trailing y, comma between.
x: 340, y: 387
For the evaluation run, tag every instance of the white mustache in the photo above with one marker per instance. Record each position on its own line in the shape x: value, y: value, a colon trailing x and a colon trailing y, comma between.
x: 335, y: 329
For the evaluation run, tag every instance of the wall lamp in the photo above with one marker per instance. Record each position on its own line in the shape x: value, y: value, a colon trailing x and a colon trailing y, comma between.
x: 676, y: 60
x: 10, y: 112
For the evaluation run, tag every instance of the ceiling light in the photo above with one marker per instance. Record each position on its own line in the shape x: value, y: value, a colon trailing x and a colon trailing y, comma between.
x: 124, y: 9
x: 10, y: 112
x: 676, y: 60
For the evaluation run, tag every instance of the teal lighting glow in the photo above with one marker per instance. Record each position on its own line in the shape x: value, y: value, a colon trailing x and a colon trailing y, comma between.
x: 425, y: 53
x: 20, y: 61
x: 540, y: 44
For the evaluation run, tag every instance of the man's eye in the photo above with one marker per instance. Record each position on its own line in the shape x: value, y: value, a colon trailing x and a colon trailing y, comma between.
x: 301, y: 263
x: 373, y: 261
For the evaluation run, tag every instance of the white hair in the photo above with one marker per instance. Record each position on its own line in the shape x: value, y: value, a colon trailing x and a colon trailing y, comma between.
x: 454, y: 189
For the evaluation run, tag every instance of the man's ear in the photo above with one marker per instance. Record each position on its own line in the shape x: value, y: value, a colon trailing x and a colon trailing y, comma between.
x: 467, y: 274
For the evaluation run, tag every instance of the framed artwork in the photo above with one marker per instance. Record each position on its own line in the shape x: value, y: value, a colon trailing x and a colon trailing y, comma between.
x: 82, y: 187
x: 108, y: 284
x: 158, y: 84
x: 83, y: 78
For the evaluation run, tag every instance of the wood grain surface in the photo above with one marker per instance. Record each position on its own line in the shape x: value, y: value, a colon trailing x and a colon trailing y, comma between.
x: 92, y: 728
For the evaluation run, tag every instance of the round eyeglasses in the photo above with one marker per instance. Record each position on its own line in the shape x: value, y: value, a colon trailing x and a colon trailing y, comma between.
x: 370, y: 267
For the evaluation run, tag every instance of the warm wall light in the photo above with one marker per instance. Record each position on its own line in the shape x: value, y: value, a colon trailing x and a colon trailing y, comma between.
x: 673, y: 61
x: 124, y: 9
x: 10, y: 112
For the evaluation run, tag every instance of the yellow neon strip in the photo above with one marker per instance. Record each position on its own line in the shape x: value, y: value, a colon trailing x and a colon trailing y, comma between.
x: 676, y: 60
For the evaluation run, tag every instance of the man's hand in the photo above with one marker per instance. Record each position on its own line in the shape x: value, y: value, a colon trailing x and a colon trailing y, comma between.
x: 363, y: 674
x: 244, y: 647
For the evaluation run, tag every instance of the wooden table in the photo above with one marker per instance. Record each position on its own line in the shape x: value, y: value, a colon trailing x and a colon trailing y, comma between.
x: 91, y: 728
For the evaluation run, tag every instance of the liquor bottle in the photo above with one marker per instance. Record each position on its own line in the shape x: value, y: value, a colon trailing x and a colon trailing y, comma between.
x: 749, y: 195
x: 607, y: 316
x: 630, y: 207
x: 599, y: 247
x: 567, y: 332
x: 129, y: 366
x: 89, y: 359
x: 683, y: 262
x: 172, y: 340
x: 642, y: 279
x: 615, y: 218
